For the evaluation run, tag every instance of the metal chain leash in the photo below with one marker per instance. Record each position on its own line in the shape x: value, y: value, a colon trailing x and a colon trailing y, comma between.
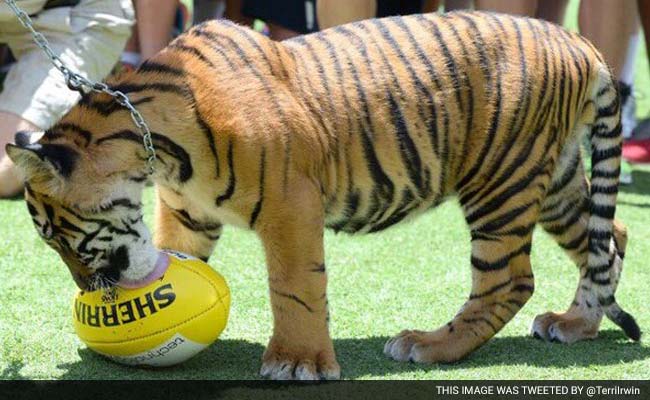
x: 78, y: 83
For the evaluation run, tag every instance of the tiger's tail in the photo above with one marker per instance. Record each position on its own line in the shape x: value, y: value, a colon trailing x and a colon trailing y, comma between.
x: 604, y: 261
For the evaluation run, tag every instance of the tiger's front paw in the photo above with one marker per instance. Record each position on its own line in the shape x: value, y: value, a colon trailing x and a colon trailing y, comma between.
x: 564, y: 327
x: 283, y: 363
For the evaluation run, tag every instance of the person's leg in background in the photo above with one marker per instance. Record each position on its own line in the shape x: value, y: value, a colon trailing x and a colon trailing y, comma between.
x: 334, y: 12
x: 608, y: 24
x: 552, y: 10
x: 10, y: 182
x: 284, y: 18
x: 515, y: 7
x: 451, y: 5
x: 612, y: 26
x: 638, y: 149
x: 152, y: 31
x: 233, y: 12
x: 429, y: 6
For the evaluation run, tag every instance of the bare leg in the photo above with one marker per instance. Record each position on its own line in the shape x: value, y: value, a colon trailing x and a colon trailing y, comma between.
x: 516, y: 7
x: 430, y: 6
x: 233, y: 12
x: 11, y: 183
x: 552, y: 10
x: 333, y: 12
x: 620, y: 18
x: 644, y: 14
x: 155, y: 20
x: 451, y: 5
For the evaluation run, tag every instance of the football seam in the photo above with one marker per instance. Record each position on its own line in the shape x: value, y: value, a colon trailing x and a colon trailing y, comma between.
x: 220, y: 298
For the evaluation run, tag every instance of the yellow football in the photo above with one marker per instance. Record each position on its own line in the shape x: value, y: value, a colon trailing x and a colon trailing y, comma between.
x: 161, y: 324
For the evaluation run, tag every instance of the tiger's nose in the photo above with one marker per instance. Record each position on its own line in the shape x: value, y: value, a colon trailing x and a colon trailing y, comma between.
x: 118, y: 261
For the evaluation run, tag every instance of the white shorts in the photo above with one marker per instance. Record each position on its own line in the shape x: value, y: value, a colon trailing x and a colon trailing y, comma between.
x: 88, y: 38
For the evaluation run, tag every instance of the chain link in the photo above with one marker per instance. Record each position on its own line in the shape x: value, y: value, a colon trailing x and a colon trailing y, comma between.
x: 80, y: 84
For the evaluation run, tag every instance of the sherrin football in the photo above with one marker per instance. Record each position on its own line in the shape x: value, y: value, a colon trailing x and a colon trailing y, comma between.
x: 162, y: 324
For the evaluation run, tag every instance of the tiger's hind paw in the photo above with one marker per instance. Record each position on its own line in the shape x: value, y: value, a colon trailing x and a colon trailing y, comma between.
x: 564, y: 328
x: 425, y: 347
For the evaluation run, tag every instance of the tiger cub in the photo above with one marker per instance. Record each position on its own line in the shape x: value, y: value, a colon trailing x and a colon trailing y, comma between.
x: 355, y: 128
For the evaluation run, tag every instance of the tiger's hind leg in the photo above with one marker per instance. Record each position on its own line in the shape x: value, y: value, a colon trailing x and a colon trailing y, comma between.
x: 502, y: 278
x: 565, y: 216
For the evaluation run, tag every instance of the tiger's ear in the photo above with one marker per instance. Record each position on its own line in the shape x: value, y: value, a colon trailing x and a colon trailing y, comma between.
x: 42, y: 160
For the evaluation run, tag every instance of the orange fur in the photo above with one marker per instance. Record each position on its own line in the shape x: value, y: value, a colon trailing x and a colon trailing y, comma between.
x: 357, y: 128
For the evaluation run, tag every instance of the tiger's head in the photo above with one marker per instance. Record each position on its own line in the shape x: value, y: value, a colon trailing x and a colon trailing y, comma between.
x: 86, y: 205
x: 85, y: 175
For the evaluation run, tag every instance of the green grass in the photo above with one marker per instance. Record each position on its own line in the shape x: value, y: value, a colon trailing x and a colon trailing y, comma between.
x: 412, y: 276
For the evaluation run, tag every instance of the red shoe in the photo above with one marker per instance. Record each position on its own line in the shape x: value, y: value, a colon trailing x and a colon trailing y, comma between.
x: 637, y: 151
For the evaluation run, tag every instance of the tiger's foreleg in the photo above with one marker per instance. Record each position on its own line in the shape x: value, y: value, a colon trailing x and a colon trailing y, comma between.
x: 177, y: 230
x: 292, y: 235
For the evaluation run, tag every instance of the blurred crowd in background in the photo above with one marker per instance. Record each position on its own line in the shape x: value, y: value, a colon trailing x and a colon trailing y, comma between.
x: 97, y: 37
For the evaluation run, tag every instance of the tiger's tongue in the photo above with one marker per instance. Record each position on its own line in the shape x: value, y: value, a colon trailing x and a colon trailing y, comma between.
x: 162, y: 263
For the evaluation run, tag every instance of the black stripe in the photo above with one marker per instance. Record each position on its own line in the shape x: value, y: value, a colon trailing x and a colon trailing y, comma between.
x: 207, y: 228
x: 258, y: 205
x: 156, y: 87
x: 319, y: 268
x: 152, y: 66
x: 182, y: 47
x: 383, y: 187
x: 501, y: 263
x: 481, y: 319
x: 294, y: 298
x: 601, y: 154
x: 492, y: 290
x: 215, y: 46
x: 468, y: 86
x: 504, y: 219
x: 408, y: 150
x: 163, y: 145
x: 496, y: 115
x: 230, y: 189
x: 270, y: 92
x: 121, y: 202
x: 63, y: 126
x: 567, y: 175
x: 561, y: 228
x: 209, y: 135
x: 603, y: 211
x: 106, y: 108
x: 423, y: 58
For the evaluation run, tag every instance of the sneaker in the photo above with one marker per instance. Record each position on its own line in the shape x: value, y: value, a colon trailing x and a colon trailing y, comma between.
x: 637, y: 151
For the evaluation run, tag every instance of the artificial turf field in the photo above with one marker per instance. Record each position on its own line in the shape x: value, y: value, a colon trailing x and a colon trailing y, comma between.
x: 415, y: 275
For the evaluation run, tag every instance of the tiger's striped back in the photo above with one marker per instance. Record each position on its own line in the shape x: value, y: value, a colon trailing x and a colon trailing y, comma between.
x: 416, y: 107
